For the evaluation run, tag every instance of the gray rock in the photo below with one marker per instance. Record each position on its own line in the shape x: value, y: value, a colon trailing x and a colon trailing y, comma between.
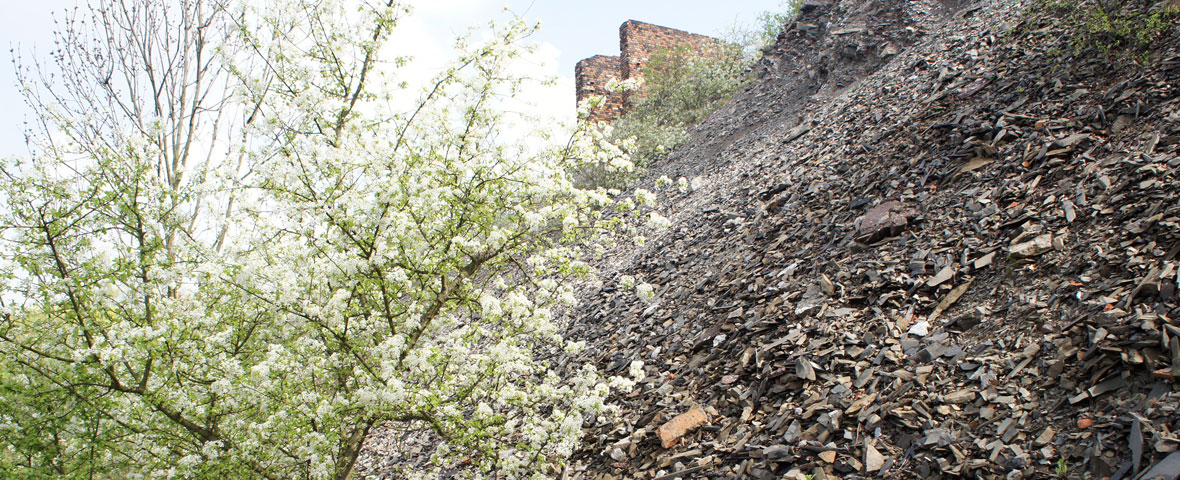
x: 873, y: 458
x: 1032, y: 248
x: 1166, y: 469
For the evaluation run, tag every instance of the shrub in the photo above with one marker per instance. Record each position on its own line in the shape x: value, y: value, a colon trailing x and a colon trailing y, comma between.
x: 679, y: 89
x: 1115, y: 28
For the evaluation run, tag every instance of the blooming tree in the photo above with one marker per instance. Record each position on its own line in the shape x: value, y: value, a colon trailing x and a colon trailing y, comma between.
x: 236, y: 249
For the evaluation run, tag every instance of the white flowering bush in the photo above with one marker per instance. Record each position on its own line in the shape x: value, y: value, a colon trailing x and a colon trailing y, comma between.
x: 241, y: 261
x: 629, y: 85
x: 606, y: 160
x: 645, y: 291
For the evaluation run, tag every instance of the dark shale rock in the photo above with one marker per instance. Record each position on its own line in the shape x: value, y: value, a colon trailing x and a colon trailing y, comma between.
x: 1038, y: 290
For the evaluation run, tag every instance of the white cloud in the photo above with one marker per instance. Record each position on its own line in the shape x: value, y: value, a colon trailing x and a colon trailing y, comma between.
x: 553, y: 100
x: 414, y: 38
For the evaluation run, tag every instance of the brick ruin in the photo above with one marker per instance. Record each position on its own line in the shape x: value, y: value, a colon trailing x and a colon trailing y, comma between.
x: 591, y: 77
x: 638, y: 41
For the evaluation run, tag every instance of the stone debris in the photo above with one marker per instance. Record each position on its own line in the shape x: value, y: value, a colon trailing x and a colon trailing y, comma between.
x: 1032, y: 248
x: 828, y: 456
x: 973, y: 245
x: 1166, y: 469
x: 885, y: 220
x: 919, y: 329
x: 874, y: 461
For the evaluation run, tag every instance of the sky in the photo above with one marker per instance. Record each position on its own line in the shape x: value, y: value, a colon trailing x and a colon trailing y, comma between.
x: 570, y: 31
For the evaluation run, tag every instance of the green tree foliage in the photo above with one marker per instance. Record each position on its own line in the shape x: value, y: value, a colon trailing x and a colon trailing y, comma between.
x: 680, y: 88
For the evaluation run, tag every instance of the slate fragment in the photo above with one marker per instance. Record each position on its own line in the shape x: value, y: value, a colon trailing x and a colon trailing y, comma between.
x: 1032, y: 248
x: 1166, y: 469
x: 873, y: 460
x: 887, y: 219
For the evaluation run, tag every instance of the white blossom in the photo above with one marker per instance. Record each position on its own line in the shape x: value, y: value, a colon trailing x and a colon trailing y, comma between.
x: 333, y: 260
x: 645, y: 291
x: 657, y: 221
x: 645, y: 197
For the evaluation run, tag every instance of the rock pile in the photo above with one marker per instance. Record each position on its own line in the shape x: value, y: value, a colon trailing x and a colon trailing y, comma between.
x: 936, y: 243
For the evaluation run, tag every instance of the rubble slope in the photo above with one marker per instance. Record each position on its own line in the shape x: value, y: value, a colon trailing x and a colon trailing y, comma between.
x: 938, y: 240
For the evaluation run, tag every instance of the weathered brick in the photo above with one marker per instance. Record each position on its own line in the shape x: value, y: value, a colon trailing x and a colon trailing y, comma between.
x: 591, y: 76
x: 675, y: 428
x: 639, y: 41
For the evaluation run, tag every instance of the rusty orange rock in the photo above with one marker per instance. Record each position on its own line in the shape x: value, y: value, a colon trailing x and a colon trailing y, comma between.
x: 1084, y: 423
x: 671, y: 431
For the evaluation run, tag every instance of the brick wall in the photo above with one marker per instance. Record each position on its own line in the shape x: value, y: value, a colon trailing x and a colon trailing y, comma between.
x: 638, y: 41
x: 591, y: 76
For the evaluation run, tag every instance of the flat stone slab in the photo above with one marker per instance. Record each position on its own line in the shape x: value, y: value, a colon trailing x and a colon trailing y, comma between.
x: 885, y: 220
